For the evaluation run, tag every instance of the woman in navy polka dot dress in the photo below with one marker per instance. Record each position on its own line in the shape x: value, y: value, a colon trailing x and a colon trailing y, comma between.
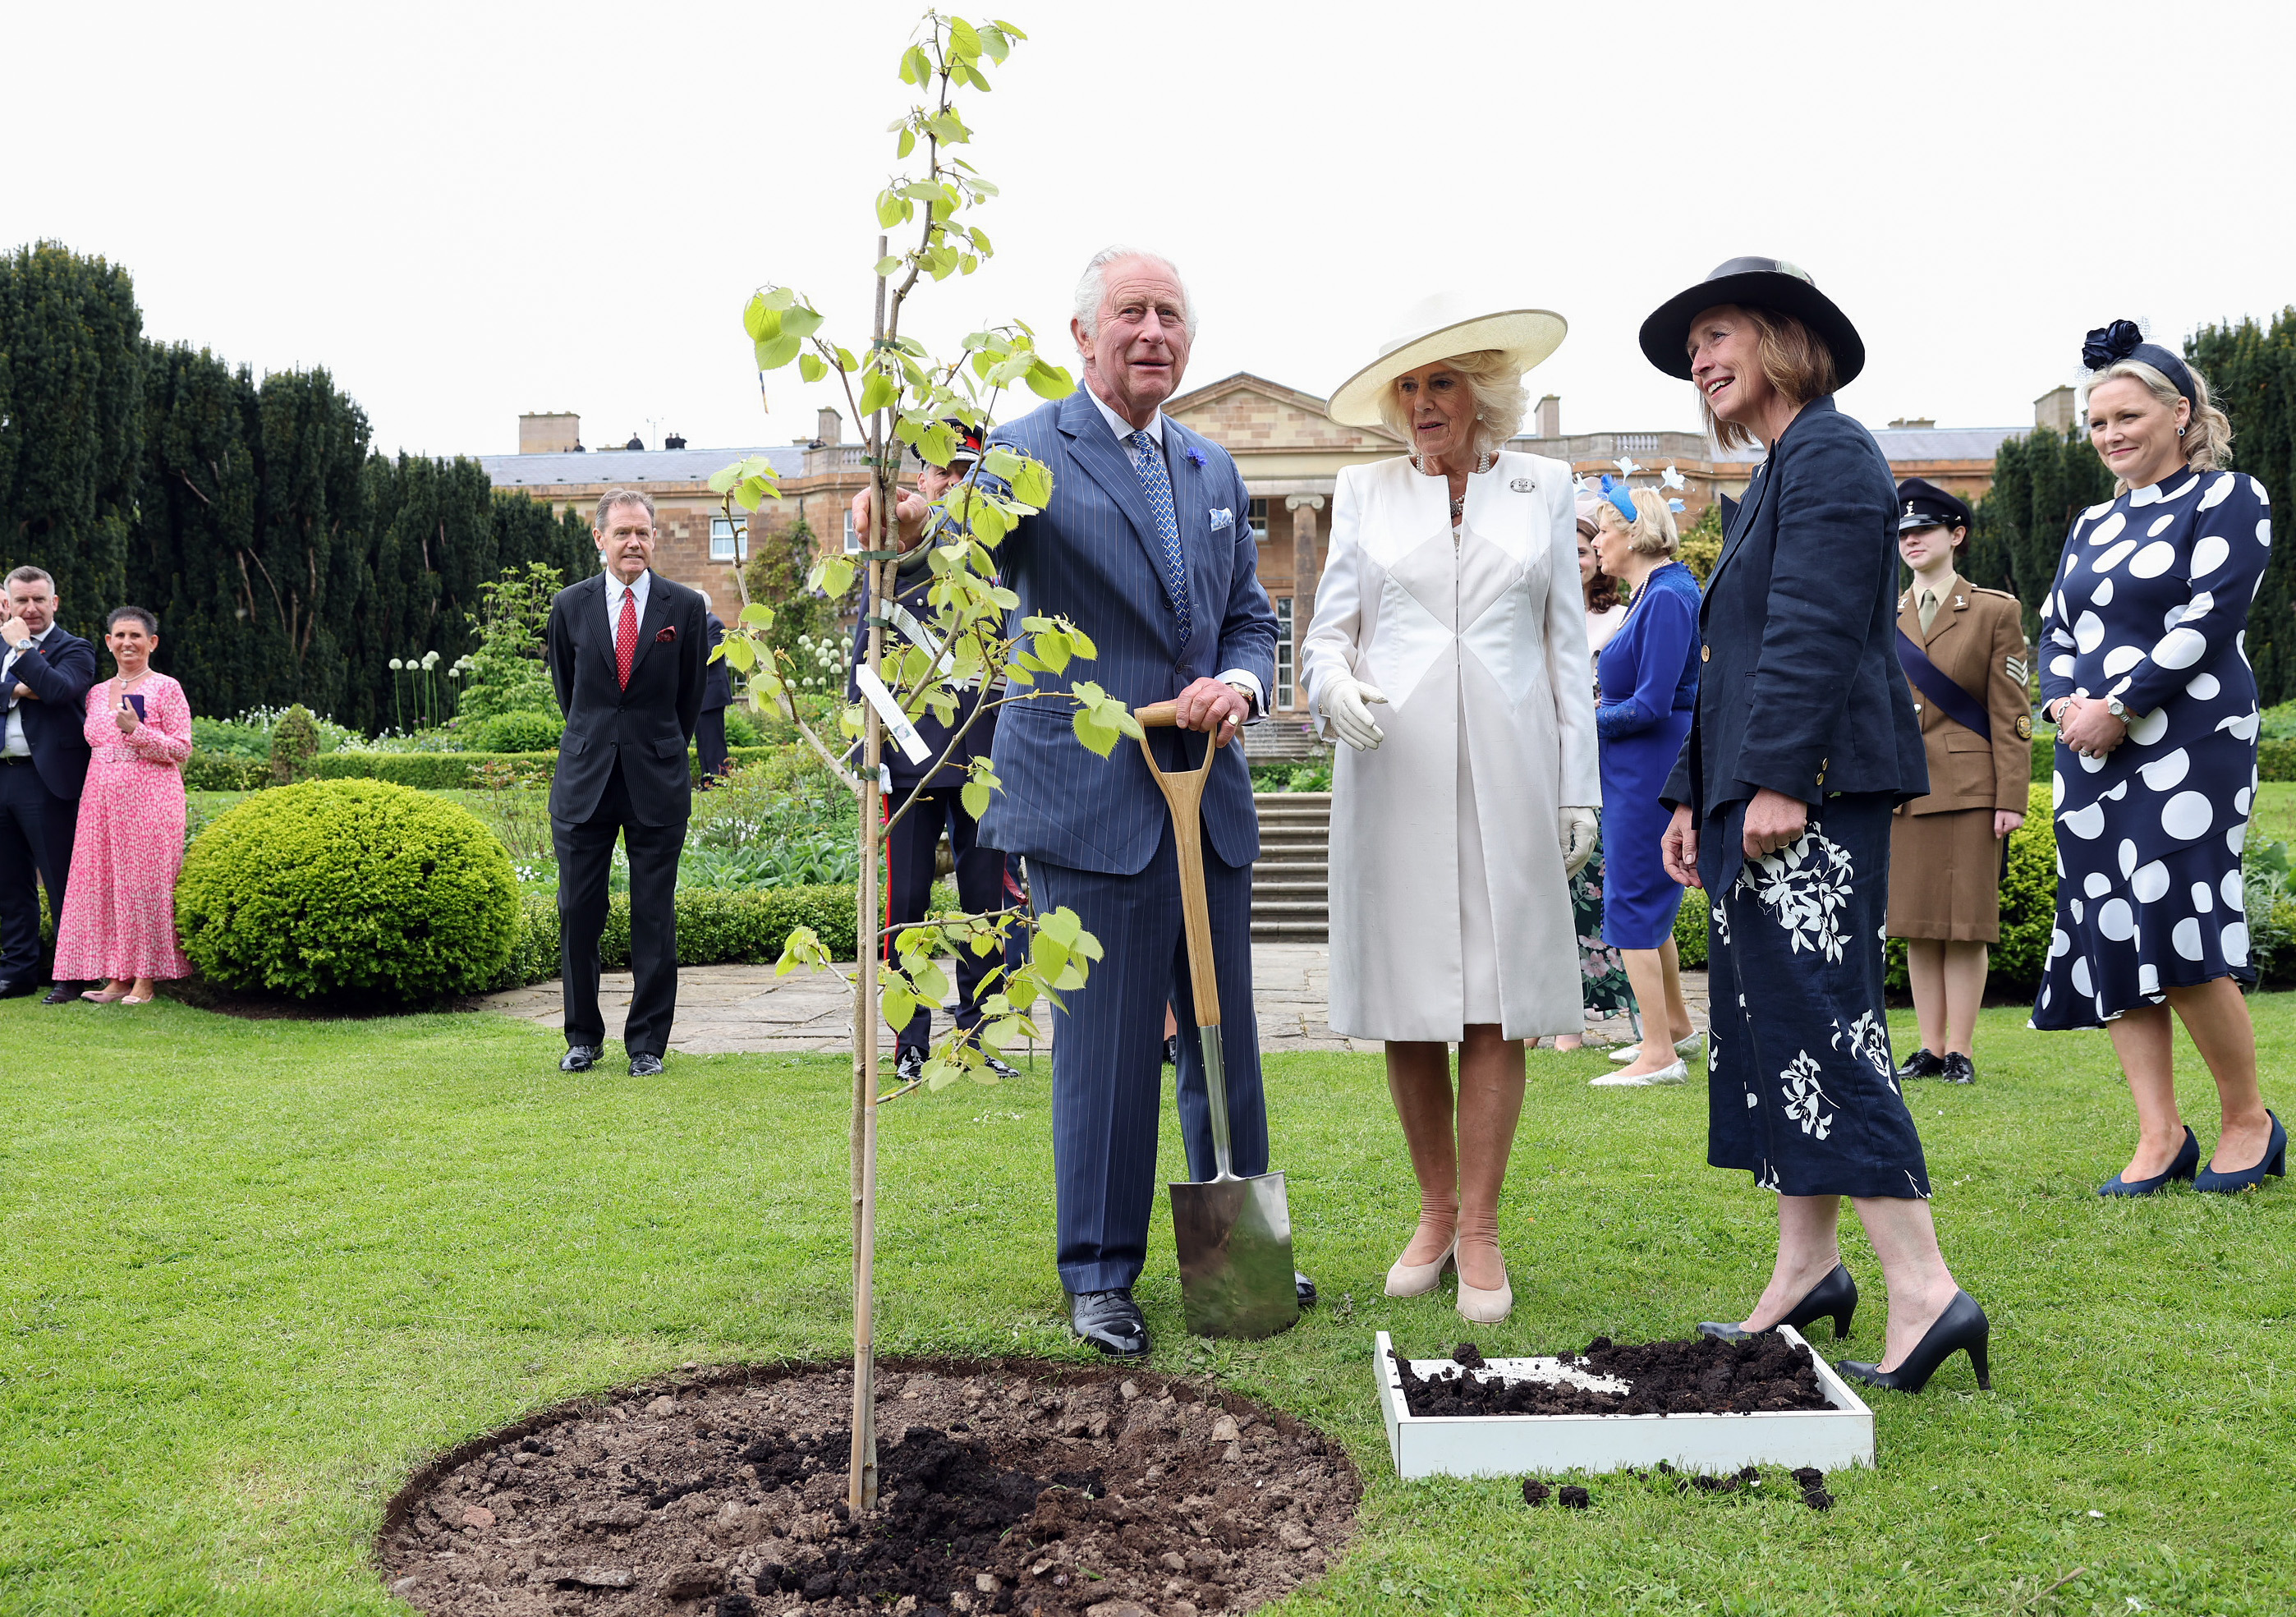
x: 2144, y: 675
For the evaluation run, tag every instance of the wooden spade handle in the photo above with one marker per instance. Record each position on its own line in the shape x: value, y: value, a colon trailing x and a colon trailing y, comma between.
x: 1185, y: 791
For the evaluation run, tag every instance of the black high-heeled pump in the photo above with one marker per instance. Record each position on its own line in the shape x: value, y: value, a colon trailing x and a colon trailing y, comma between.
x: 1836, y: 1294
x: 1962, y: 1328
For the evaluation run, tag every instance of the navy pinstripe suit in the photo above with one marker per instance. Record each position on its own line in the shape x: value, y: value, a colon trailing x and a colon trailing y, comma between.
x: 1096, y: 833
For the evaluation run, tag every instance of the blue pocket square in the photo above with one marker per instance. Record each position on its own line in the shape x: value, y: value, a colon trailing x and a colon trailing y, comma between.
x: 1222, y: 517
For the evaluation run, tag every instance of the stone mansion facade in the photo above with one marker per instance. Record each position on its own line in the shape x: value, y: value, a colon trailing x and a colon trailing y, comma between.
x: 1290, y: 454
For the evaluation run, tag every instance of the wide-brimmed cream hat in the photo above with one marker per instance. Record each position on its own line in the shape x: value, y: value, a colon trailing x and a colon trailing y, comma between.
x: 1440, y: 327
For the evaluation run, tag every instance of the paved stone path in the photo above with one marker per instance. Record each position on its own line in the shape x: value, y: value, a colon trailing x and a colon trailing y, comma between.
x: 730, y: 1008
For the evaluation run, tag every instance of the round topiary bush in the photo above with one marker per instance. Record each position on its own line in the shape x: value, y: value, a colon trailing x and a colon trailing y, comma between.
x: 520, y: 732
x: 350, y: 886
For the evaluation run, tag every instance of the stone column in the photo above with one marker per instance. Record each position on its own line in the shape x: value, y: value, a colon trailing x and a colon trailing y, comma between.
x: 1305, y: 570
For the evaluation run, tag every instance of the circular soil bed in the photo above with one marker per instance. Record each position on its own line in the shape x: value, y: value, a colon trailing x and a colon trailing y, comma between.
x: 1005, y: 1487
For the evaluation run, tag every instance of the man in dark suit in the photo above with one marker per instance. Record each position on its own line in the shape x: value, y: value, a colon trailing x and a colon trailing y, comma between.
x: 717, y: 696
x: 1147, y: 545
x: 43, y: 763
x: 627, y: 651
x: 911, y: 848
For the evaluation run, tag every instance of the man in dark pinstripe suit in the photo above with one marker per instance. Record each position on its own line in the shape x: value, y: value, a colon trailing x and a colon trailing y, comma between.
x: 1146, y: 546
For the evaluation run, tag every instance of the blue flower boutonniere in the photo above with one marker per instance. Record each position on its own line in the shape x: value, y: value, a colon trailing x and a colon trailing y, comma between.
x: 1195, y: 457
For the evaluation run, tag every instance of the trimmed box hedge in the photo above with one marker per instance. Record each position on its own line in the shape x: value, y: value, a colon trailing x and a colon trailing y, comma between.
x: 715, y: 927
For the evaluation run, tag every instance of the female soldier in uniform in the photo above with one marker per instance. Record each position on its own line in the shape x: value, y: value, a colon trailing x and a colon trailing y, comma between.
x: 1964, y: 651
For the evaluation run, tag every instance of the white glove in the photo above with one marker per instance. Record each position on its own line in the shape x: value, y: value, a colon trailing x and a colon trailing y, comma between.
x: 1343, y: 705
x: 1577, y: 833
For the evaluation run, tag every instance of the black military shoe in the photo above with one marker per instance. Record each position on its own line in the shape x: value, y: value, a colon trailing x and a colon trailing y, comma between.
x: 999, y: 1067
x: 578, y: 1058
x: 1921, y: 1063
x: 645, y: 1066
x: 1959, y: 1070
x: 63, y: 993
x: 909, y: 1064
x: 1111, y: 1321
x: 1305, y: 1287
x: 16, y: 988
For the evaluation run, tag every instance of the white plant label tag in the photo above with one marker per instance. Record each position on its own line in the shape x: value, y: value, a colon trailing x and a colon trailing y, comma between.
x: 912, y: 746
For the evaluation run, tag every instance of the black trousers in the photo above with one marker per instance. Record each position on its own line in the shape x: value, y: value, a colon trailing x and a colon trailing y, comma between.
x: 709, y: 744
x: 36, y: 834
x: 585, y: 854
x: 909, y: 874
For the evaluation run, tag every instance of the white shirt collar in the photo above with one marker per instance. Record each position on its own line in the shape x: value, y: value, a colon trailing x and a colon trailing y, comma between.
x: 1122, y: 428
x: 615, y: 586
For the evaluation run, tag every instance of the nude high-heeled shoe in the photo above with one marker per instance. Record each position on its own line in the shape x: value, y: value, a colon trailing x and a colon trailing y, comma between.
x: 1417, y: 1279
x: 1478, y: 1307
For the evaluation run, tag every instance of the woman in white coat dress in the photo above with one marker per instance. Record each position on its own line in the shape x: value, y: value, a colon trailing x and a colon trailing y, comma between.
x: 1451, y: 601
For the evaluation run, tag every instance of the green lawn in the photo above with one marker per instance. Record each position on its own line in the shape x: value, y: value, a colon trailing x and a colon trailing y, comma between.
x: 253, y: 1273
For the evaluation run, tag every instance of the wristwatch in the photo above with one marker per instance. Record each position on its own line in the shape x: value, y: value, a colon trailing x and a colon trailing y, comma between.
x: 2112, y: 705
x: 27, y: 645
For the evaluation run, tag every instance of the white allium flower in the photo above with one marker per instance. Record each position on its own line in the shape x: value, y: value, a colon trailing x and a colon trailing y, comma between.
x: 396, y: 664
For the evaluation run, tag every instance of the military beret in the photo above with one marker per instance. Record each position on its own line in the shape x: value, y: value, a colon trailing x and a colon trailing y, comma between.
x: 1923, y: 504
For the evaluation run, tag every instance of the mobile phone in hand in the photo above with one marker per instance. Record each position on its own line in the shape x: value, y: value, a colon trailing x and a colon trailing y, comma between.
x: 135, y: 699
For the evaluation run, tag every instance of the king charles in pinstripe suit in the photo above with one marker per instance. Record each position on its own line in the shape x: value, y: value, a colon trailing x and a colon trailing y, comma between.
x: 1167, y: 585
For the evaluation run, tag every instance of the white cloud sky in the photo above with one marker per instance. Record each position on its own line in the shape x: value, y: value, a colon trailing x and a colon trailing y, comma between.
x: 466, y: 212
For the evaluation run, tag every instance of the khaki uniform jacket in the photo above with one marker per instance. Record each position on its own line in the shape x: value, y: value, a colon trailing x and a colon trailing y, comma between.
x: 1977, y: 641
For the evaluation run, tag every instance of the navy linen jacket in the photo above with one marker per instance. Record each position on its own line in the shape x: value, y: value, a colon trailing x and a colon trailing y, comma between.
x: 1092, y: 556
x: 1798, y: 686
x: 58, y: 673
x: 647, y: 727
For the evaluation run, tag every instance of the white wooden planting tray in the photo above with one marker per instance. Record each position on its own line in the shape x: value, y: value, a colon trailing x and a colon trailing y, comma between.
x: 1517, y: 1445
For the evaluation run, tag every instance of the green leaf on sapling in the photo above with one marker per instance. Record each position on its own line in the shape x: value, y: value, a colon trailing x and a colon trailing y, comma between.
x: 757, y: 615
x: 1032, y: 483
x: 800, y: 322
x: 775, y: 352
x: 780, y: 297
x: 877, y: 390
x: 810, y: 367
x: 887, y: 265
x: 758, y: 318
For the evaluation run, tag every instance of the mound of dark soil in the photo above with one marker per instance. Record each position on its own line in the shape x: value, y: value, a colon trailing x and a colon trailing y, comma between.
x: 1055, y: 1492
x: 1701, y: 1376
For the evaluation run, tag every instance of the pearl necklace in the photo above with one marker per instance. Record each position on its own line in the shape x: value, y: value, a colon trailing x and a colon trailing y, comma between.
x: 1459, y: 506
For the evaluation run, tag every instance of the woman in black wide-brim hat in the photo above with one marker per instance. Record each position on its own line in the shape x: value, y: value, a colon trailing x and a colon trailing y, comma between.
x: 1803, y: 741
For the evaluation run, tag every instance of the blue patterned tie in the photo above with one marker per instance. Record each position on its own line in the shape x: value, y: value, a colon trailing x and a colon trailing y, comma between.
x: 1148, y: 461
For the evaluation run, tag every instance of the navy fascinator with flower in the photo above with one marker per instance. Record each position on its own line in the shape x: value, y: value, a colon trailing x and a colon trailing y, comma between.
x: 2109, y: 345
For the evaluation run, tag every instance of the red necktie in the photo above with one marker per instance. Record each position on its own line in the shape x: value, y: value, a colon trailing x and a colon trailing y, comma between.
x: 626, y: 637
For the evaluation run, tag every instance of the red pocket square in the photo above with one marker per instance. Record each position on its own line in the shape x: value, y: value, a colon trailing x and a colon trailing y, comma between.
x: 665, y: 634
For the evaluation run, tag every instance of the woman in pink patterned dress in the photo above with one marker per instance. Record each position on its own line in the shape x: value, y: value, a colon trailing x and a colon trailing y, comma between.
x: 119, y: 925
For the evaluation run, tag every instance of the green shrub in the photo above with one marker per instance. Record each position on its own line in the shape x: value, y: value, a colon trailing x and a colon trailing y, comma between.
x: 233, y: 736
x: 294, y: 744
x: 533, y: 731
x: 714, y: 928
x: 1690, y: 924
x: 349, y: 886
x: 2028, y: 896
x: 426, y: 771
x: 226, y: 771
x: 741, y: 729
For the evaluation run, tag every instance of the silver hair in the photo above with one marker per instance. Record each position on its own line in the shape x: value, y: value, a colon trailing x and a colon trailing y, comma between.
x: 1092, y: 286
x: 32, y: 575
x: 1500, y: 398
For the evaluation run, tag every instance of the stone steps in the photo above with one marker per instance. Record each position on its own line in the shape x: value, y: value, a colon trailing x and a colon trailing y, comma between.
x: 1290, y: 892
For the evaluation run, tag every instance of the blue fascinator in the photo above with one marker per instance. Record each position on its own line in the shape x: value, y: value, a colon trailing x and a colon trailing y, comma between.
x: 2108, y: 345
x: 1621, y: 497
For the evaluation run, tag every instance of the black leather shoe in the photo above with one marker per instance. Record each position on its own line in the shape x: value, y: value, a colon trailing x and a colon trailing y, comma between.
x: 1963, y: 1326
x: 12, y: 988
x: 1000, y: 1068
x: 1111, y: 1321
x: 1305, y: 1287
x: 1959, y: 1070
x: 909, y: 1064
x: 1836, y: 1294
x: 1921, y: 1063
x: 63, y: 993
x: 579, y: 1058
x: 645, y: 1066
x: 1172, y: 1050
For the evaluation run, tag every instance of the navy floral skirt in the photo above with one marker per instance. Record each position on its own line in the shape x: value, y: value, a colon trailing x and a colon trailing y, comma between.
x: 1799, y: 1085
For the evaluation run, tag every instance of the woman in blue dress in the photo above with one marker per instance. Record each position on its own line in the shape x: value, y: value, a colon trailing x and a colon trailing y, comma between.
x: 2143, y: 674
x: 1647, y: 683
